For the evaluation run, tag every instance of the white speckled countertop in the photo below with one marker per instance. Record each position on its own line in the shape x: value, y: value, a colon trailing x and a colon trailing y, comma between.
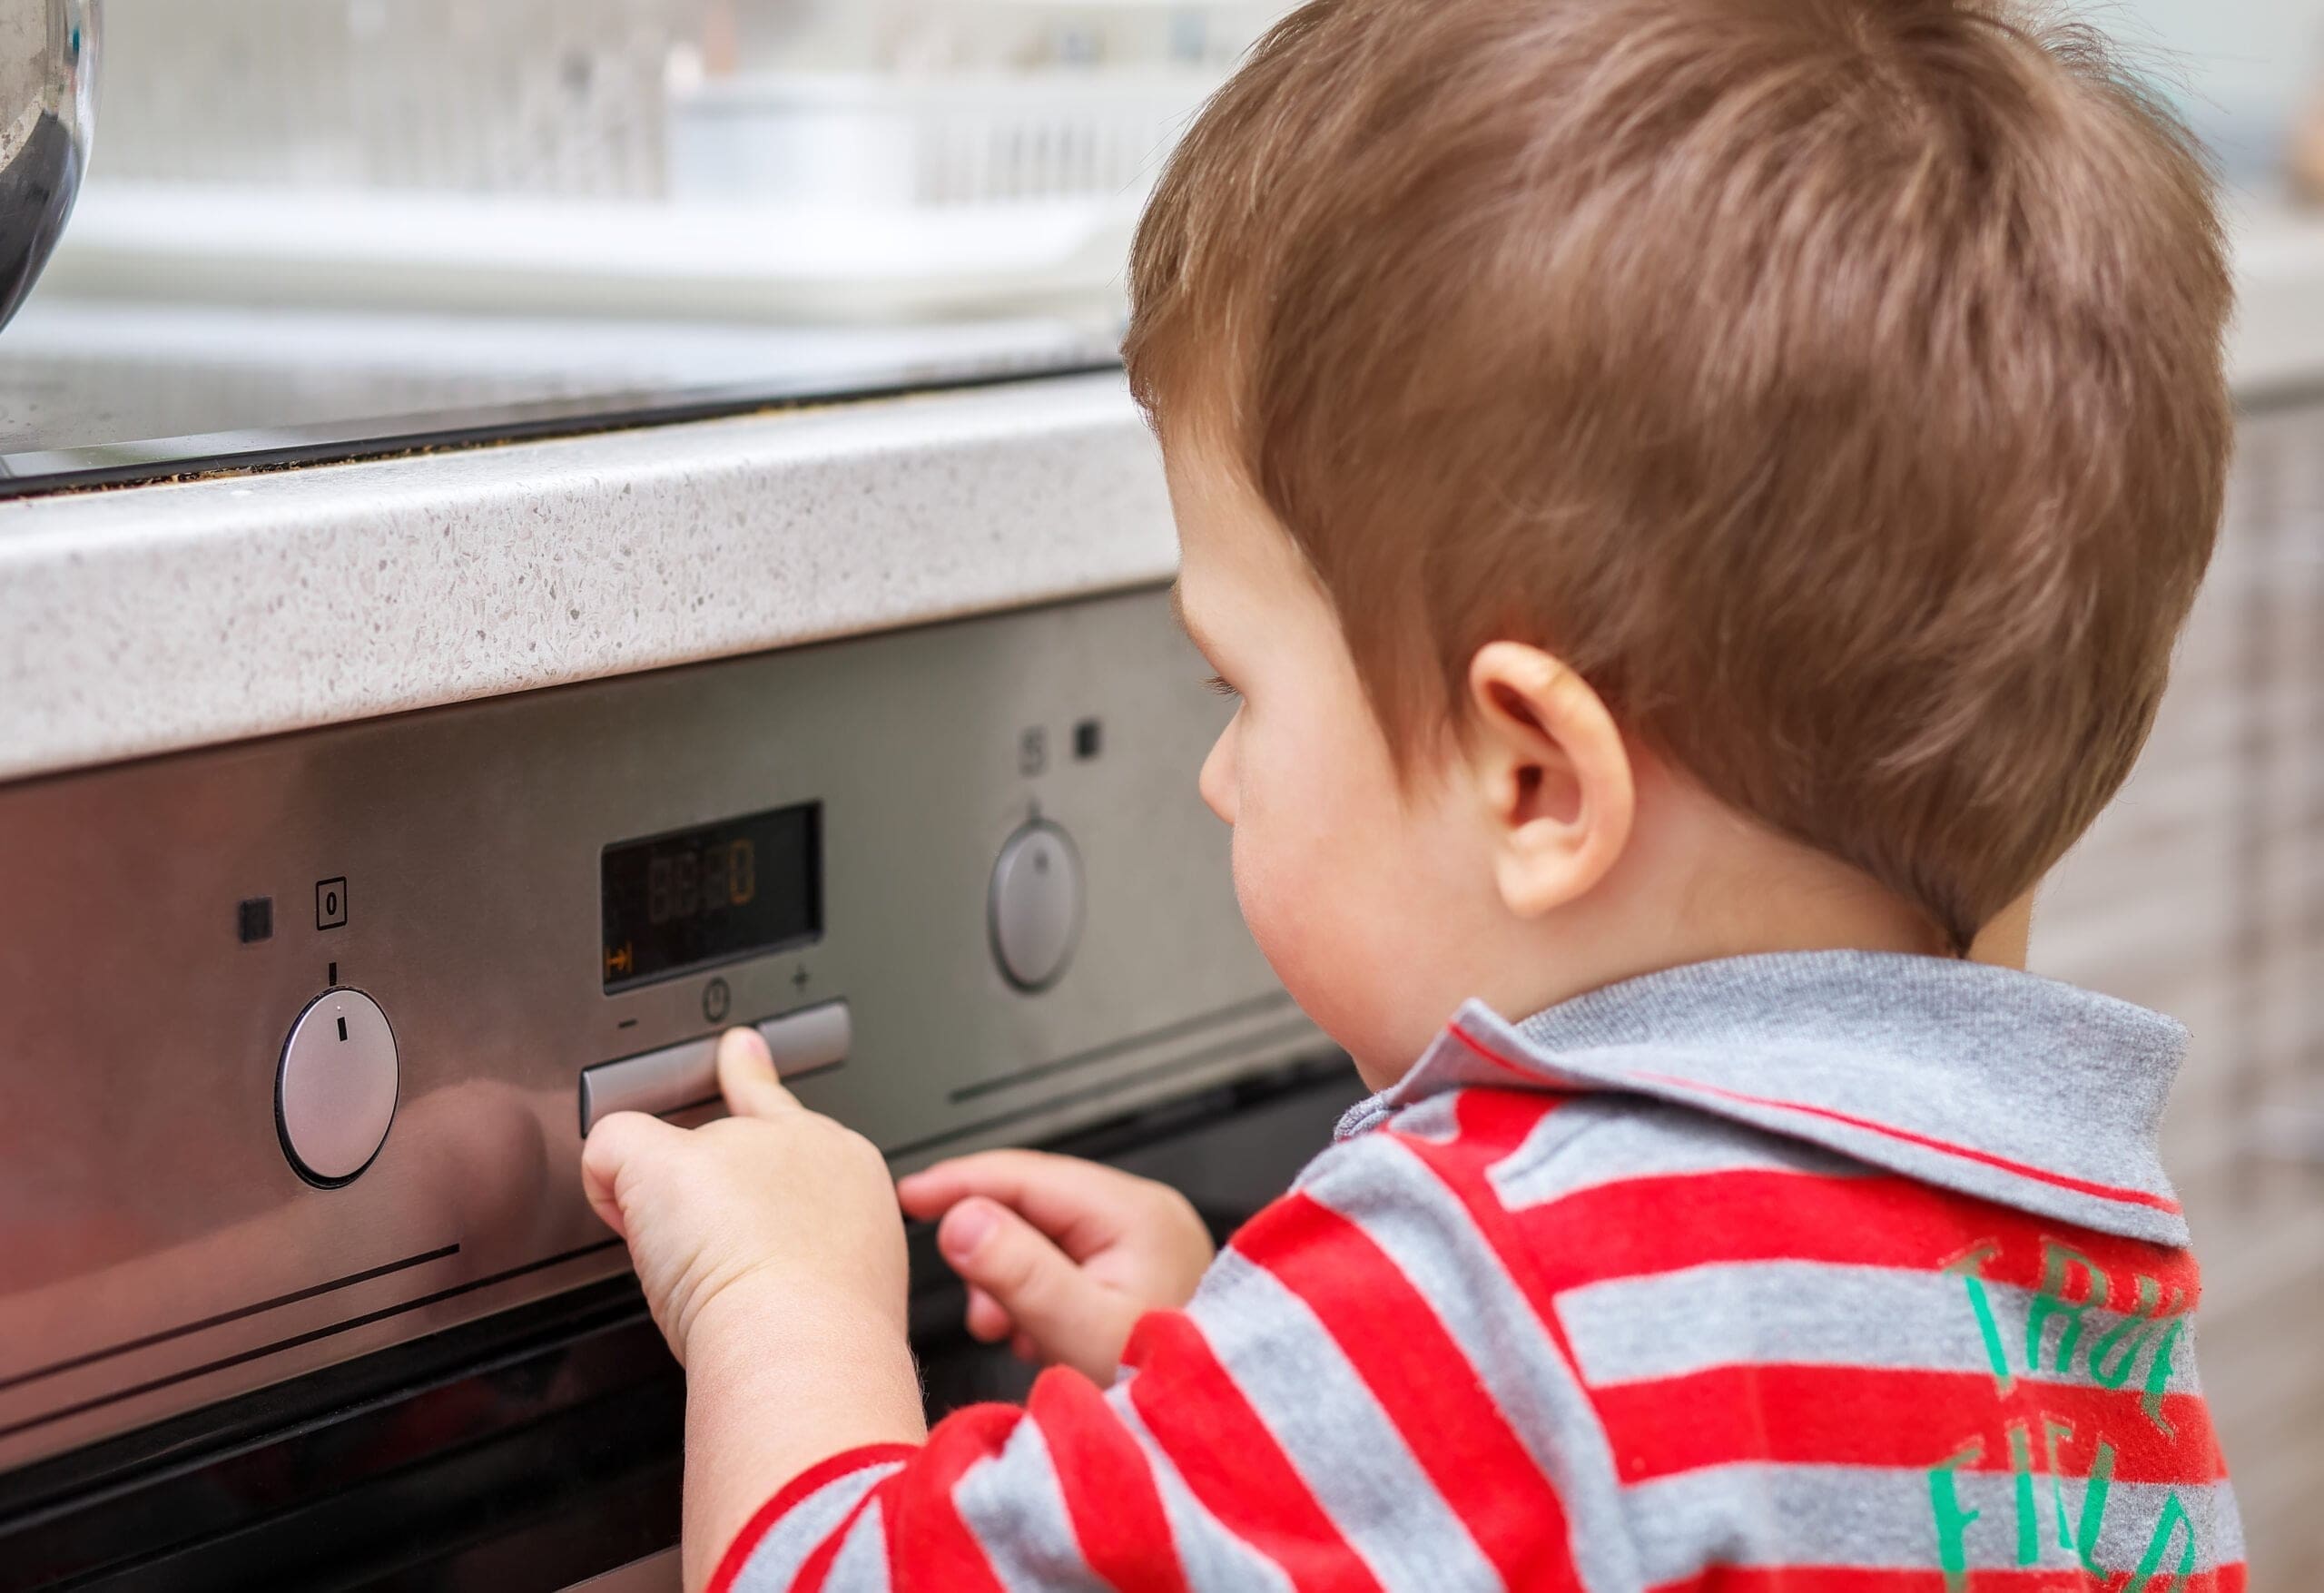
x: 149, y: 619
x: 145, y: 620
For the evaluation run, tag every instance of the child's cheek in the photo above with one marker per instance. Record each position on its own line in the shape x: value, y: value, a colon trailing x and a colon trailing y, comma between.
x: 1295, y: 909
x: 1256, y: 893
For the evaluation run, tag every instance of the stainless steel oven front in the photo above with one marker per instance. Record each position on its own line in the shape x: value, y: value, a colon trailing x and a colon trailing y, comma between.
x: 300, y: 1038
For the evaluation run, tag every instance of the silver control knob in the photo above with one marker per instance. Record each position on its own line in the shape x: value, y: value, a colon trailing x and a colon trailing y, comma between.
x: 335, y: 1094
x: 1035, y: 909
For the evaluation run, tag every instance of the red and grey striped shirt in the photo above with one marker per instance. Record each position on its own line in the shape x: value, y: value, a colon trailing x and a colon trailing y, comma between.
x: 1833, y: 1273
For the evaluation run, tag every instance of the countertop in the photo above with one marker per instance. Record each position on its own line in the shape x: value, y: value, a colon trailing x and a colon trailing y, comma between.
x: 145, y: 620
x: 150, y: 619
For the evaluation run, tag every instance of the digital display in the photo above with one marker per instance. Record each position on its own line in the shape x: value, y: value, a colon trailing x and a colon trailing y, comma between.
x: 697, y: 897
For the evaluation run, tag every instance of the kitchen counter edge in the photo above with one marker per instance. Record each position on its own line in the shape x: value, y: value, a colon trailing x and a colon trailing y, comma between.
x: 152, y: 619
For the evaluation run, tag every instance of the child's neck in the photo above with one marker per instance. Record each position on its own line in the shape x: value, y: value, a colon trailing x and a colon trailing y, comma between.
x: 1699, y: 881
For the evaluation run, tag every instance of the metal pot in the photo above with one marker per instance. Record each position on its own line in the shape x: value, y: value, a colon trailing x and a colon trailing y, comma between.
x: 48, y: 101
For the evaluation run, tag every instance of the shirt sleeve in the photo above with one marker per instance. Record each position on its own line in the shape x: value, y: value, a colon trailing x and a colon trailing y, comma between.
x: 1339, y: 1407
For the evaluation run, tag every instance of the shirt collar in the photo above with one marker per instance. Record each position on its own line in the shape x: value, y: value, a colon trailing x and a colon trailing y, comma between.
x: 1987, y: 1080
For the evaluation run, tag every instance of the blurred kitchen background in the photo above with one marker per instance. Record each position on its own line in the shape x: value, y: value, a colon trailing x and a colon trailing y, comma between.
x: 318, y: 211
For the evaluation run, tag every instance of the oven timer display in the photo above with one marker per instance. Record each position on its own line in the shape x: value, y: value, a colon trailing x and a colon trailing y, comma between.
x: 717, y: 893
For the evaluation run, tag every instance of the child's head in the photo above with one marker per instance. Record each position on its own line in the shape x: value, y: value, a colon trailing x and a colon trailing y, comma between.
x: 1672, y: 476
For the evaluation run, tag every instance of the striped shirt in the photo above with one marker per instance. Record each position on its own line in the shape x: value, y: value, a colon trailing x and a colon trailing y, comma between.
x: 1832, y: 1272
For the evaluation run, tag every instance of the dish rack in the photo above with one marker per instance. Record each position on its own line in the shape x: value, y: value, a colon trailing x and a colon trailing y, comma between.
x: 613, y: 157
x: 884, y: 142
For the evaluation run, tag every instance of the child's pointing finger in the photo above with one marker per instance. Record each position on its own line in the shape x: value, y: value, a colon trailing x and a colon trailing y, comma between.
x: 746, y: 1077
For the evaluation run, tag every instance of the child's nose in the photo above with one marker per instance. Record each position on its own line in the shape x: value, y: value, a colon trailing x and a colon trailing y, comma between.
x: 1217, y: 779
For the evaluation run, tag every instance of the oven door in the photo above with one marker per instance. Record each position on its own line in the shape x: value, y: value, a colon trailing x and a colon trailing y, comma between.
x: 537, y: 1448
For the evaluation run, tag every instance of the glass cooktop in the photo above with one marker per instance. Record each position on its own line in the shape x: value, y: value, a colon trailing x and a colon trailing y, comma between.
x: 96, y: 391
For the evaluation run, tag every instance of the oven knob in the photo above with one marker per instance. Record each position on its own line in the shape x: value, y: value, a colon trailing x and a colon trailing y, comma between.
x: 1035, y: 911
x: 335, y: 1093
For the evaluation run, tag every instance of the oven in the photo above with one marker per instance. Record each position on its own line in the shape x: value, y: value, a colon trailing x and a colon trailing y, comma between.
x: 302, y: 1036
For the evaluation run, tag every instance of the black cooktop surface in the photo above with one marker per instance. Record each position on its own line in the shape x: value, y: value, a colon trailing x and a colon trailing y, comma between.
x: 95, y: 392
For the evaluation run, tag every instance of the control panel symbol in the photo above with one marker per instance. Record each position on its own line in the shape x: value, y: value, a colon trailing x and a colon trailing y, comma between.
x: 1034, y: 908
x: 717, y: 1000
x: 618, y: 961
x: 1032, y: 752
x: 330, y: 903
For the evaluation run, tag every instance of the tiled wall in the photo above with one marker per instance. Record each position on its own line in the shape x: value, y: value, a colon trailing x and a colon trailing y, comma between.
x: 2202, y: 893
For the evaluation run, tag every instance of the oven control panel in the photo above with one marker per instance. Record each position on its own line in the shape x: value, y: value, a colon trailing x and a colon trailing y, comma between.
x: 302, y: 1035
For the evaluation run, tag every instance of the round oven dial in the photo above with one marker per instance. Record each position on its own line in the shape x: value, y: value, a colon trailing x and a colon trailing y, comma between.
x: 335, y: 1094
x: 1035, y: 909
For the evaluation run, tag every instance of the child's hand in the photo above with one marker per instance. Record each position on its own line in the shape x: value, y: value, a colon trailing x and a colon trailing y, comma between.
x: 777, y: 1203
x: 772, y: 1255
x: 1061, y: 1257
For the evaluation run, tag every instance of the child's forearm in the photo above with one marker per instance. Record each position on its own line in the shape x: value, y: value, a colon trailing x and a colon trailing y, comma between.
x: 778, y: 1379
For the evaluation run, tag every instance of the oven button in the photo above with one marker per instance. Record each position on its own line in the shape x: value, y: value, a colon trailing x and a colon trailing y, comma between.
x: 678, y: 1077
x: 335, y: 1092
x: 1035, y: 911
x: 802, y: 1042
x: 667, y: 1080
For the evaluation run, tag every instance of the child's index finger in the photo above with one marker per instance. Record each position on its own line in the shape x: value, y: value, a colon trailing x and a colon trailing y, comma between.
x: 747, y: 1079
x: 1076, y: 1203
x: 1008, y: 1176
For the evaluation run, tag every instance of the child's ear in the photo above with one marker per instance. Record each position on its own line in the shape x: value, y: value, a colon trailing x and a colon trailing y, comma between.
x: 1553, y: 773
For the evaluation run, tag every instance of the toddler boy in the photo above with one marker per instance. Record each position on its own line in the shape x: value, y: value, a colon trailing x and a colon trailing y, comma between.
x: 1696, y: 498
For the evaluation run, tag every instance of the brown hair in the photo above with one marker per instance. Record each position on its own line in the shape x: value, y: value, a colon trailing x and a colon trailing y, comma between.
x: 1836, y: 384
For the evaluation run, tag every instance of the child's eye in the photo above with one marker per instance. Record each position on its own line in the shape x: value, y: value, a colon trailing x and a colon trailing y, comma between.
x: 1222, y: 685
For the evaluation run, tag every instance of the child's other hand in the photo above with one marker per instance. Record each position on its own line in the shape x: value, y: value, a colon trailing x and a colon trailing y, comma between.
x: 1061, y: 1257
x: 775, y: 1205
